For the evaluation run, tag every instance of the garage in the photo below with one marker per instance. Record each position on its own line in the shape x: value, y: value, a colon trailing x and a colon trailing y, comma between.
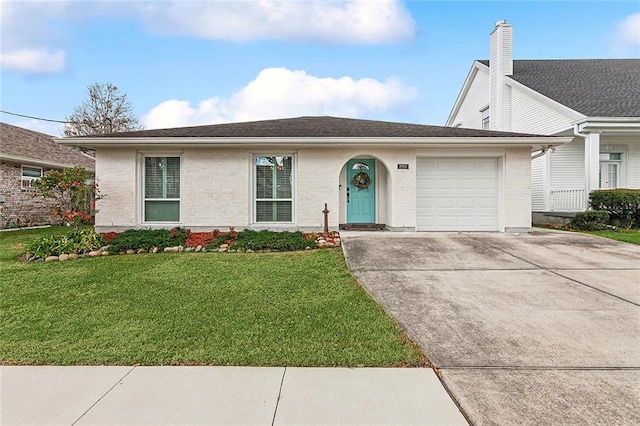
x: 457, y: 194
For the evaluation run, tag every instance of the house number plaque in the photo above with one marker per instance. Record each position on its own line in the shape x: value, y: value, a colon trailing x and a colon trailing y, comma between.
x: 403, y: 167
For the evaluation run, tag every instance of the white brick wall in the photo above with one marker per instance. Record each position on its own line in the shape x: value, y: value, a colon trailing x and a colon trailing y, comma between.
x: 517, y: 196
x: 216, y: 190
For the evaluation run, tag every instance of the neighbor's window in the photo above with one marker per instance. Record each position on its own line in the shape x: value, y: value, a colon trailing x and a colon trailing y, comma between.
x: 29, y: 174
x: 485, y: 119
x: 161, y: 189
x: 274, y: 192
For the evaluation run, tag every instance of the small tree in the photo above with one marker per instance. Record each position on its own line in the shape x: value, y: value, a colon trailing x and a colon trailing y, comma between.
x: 106, y: 110
x: 75, y: 192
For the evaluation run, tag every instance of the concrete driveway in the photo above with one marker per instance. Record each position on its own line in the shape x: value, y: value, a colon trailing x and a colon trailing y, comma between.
x: 540, y: 328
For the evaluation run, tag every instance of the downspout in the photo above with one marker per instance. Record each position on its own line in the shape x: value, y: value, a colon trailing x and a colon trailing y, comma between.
x: 543, y: 151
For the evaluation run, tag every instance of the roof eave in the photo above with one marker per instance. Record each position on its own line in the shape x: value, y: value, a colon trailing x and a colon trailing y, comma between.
x: 463, y: 92
x: 36, y: 162
x: 316, y: 141
x: 609, y: 124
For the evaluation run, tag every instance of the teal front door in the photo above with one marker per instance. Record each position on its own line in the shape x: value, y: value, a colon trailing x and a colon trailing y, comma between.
x: 361, y: 191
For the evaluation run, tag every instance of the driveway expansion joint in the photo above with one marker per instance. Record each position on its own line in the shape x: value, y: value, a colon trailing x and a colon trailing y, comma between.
x: 553, y: 270
x: 275, y: 410
x: 119, y: 381
x: 592, y: 287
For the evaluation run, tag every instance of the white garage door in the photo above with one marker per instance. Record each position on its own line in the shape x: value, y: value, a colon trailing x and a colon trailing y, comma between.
x: 457, y: 194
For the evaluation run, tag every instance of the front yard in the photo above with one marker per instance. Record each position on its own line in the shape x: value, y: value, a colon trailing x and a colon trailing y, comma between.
x: 268, y: 309
x: 628, y: 236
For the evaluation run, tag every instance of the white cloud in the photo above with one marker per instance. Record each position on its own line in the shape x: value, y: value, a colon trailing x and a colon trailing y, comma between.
x: 30, y: 26
x: 333, y: 21
x: 280, y: 93
x: 26, y: 33
x: 33, y: 61
x: 628, y: 32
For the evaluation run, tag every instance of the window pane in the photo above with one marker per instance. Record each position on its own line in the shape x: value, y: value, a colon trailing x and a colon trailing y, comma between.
x: 264, y: 180
x: 31, y: 172
x: 162, y: 211
x: 273, y: 177
x: 274, y: 211
x: 615, y: 156
x: 173, y: 177
x: 613, y: 175
x: 162, y: 177
x: 153, y: 177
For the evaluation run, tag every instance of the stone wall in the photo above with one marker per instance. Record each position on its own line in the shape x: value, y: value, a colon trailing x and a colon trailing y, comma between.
x: 23, y: 207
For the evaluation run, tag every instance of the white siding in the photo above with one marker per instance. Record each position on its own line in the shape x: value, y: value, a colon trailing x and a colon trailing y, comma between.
x: 532, y: 116
x: 537, y: 183
x: 633, y: 164
x: 477, y: 98
x: 631, y: 145
x: 567, y: 166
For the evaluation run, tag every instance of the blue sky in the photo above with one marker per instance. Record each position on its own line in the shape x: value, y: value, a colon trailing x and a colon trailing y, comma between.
x: 189, y: 63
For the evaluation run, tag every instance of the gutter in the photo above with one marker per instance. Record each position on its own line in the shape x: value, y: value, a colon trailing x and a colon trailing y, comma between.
x: 543, y: 151
x: 36, y: 162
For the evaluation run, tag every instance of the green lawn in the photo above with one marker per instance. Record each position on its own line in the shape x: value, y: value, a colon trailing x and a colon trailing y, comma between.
x: 276, y: 309
x: 628, y: 236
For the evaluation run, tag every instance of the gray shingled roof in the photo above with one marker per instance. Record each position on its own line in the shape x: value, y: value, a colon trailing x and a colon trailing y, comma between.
x: 313, y: 127
x: 593, y: 87
x: 39, y: 148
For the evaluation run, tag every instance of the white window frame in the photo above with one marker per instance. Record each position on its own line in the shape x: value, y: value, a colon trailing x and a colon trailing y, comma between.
x: 485, y: 120
x: 607, y: 150
x: 26, y: 181
x: 255, y: 199
x: 141, y: 187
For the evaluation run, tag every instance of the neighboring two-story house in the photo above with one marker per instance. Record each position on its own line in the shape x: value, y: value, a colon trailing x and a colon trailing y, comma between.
x: 26, y: 155
x: 597, y: 101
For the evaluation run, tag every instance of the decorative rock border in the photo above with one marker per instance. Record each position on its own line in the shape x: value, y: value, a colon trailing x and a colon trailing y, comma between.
x: 321, y: 242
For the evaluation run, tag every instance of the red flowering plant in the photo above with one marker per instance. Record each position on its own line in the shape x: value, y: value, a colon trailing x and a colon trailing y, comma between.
x: 75, y: 192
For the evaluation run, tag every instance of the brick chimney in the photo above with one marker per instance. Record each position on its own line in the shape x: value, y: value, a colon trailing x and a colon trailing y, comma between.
x: 500, y: 65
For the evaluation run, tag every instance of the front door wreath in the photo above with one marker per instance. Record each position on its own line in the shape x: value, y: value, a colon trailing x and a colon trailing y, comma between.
x: 361, y: 180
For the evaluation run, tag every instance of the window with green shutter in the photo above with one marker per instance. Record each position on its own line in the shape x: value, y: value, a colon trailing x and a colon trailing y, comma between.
x: 274, y: 189
x: 161, y: 189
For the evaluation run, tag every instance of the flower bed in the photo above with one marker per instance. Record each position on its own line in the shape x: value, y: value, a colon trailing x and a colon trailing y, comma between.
x: 176, y: 240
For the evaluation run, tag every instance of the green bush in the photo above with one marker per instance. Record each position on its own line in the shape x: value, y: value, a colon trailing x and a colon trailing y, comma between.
x: 77, y: 241
x: 135, y: 239
x: 623, y: 206
x: 265, y: 239
x: 592, y: 220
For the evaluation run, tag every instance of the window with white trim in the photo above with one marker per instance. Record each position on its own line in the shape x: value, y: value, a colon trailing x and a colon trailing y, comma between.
x: 611, y: 170
x: 29, y: 174
x: 161, y: 189
x: 485, y: 118
x: 273, y: 189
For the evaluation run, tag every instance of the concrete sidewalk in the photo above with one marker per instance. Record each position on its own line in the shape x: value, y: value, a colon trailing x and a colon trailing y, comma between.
x: 223, y: 395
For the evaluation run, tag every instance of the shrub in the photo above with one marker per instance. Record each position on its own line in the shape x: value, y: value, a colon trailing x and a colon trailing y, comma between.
x: 74, y: 192
x: 77, y: 241
x: 623, y: 205
x: 282, y: 241
x: 591, y: 220
x: 148, y: 238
